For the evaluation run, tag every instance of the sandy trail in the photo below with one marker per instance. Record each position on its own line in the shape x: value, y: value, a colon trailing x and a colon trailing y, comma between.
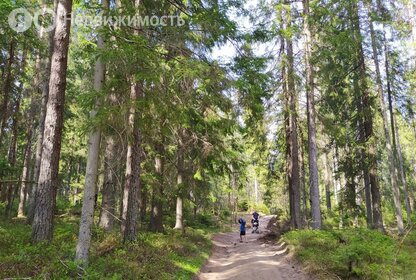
x: 254, y: 260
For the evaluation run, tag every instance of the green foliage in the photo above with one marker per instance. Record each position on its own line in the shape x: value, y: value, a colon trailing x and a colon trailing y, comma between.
x: 261, y: 208
x: 352, y: 253
x: 201, y: 220
x: 154, y: 256
x: 243, y: 205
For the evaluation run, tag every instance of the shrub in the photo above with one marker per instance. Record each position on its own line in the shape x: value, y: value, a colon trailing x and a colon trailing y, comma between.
x: 350, y: 253
x: 171, y: 255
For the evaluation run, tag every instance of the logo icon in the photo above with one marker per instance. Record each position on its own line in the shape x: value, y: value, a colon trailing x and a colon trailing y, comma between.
x: 20, y: 20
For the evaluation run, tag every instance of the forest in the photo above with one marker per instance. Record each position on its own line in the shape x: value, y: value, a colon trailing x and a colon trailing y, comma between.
x: 133, y: 133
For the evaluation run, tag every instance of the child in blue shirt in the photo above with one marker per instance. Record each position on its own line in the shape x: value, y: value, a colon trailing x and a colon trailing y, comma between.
x: 242, y: 223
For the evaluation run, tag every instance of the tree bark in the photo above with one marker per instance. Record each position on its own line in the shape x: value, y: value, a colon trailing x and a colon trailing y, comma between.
x: 296, y: 219
x: 304, y: 193
x: 42, y: 227
x: 43, y: 68
x: 411, y: 193
x: 403, y: 176
x: 94, y: 140
x: 132, y: 185
x: 396, y: 189
x: 108, y: 205
x: 179, y: 181
x: 292, y: 164
x: 4, y: 110
x: 312, y: 147
x: 367, y: 124
x: 156, y: 221
x: 327, y: 178
x: 13, y: 187
x: 25, y: 172
x: 179, y: 209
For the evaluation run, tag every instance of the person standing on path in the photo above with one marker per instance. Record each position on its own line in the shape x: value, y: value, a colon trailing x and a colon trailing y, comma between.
x: 242, y: 223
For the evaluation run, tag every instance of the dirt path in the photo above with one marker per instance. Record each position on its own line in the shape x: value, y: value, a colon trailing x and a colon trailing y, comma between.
x: 254, y: 260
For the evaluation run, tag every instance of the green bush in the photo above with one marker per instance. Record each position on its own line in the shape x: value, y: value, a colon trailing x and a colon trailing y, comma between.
x: 243, y: 206
x: 225, y: 214
x: 261, y: 208
x: 170, y: 255
x: 351, y: 253
x: 203, y: 220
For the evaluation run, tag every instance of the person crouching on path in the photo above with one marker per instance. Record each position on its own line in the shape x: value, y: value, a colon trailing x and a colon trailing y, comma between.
x: 242, y: 223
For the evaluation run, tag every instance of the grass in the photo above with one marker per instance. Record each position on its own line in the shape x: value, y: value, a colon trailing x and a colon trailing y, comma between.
x: 170, y: 255
x: 354, y: 254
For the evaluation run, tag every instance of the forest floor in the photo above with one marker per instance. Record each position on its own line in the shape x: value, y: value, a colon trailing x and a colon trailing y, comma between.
x: 259, y: 258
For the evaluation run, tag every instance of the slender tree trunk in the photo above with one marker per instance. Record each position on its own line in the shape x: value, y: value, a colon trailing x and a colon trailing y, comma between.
x: 403, y: 176
x: 12, y: 154
x: 312, y: 147
x: 143, y: 203
x: 94, y: 140
x: 392, y: 168
x: 42, y: 227
x: 294, y: 149
x: 396, y: 189
x: 336, y: 176
x: 286, y: 113
x: 367, y: 121
x: 25, y: 172
x: 358, y: 201
x: 4, y: 110
x: 13, y: 188
x: 412, y: 9
x: 411, y: 192
x: 132, y: 184
x: 304, y: 193
x: 108, y: 205
x: 327, y: 179
x: 156, y: 223
x: 368, y: 203
x: 42, y: 85
x: 179, y: 182
x: 338, y: 183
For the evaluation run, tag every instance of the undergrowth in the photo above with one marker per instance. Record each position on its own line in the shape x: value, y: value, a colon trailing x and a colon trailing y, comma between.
x: 354, y: 254
x: 169, y: 255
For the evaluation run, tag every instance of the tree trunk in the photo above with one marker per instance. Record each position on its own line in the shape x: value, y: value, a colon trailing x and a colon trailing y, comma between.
x: 108, y: 205
x: 338, y: 183
x: 411, y: 193
x: 312, y: 147
x: 132, y: 184
x: 390, y: 151
x: 367, y: 124
x: 4, y: 110
x: 42, y: 228
x: 143, y: 203
x: 94, y: 140
x: 12, y: 155
x: 412, y: 9
x: 13, y: 187
x: 43, y: 68
x: 25, y: 172
x: 304, y: 194
x: 396, y: 189
x: 156, y: 223
x: 179, y: 210
x: 179, y: 182
x: 327, y: 178
x: 403, y: 176
x: 296, y: 219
